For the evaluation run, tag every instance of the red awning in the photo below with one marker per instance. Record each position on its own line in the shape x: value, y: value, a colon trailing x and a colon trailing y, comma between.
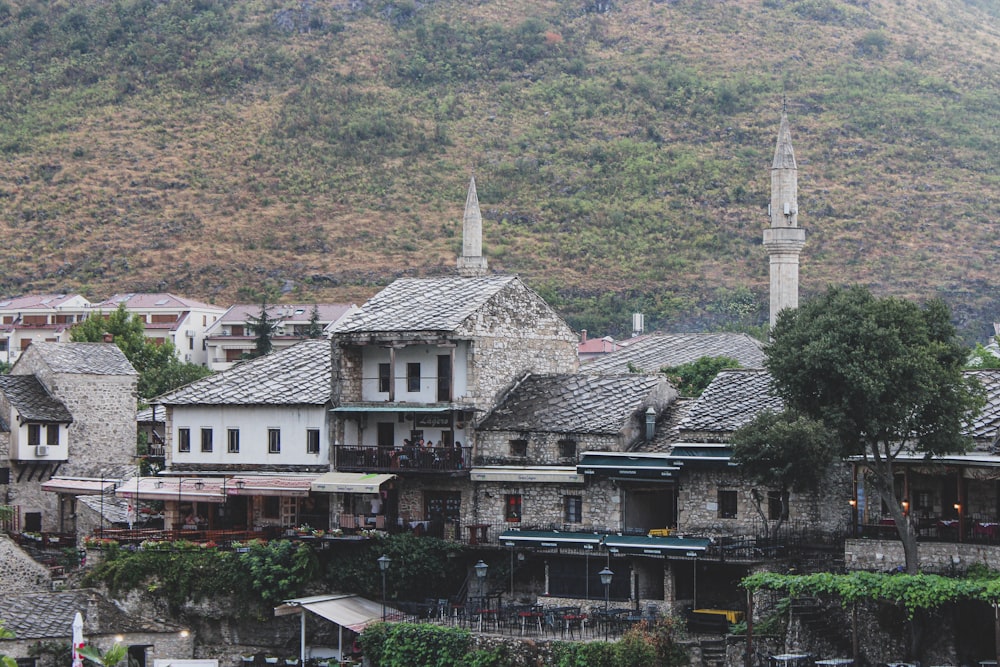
x: 197, y: 489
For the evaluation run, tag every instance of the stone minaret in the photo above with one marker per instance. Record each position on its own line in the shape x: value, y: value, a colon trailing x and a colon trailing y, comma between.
x: 472, y: 263
x: 784, y: 239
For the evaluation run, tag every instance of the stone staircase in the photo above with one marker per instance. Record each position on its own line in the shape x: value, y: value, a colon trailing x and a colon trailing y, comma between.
x: 713, y: 652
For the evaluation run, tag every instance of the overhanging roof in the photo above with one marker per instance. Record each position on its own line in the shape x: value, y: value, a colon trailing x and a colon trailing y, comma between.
x: 350, y: 611
x: 350, y: 482
x: 79, y: 486
x: 625, y: 465
x: 551, y: 475
x: 393, y: 407
x: 701, y: 452
x: 550, y: 538
x: 655, y: 546
x: 289, y: 486
x: 198, y: 489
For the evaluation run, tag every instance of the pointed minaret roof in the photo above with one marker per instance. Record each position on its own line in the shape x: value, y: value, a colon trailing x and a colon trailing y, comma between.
x: 472, y: 262
x: 784, y: 156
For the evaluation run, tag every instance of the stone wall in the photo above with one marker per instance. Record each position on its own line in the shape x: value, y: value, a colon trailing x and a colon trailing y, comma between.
x: 493, y: 447
x: 542, y: 504
x: 19, y: 573
x: 938, y: 557
x: 826, y: 511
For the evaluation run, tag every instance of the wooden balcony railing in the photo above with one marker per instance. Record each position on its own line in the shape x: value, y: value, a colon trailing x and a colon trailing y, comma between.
x: 368, y: 458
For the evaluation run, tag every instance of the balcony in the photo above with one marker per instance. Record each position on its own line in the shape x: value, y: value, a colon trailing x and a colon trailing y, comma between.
x: 450, y: 460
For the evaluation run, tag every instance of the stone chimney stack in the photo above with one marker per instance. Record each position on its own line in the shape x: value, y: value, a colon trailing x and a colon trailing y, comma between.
x: 784, y: 239
x: 472, y: 263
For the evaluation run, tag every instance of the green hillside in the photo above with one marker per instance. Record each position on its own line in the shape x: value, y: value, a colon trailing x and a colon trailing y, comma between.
x: 622, y: 149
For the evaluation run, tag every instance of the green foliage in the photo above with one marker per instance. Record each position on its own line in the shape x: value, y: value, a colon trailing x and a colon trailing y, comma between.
x: 652, y: 645
x: 315, y: 329
x: 912, y: 592
x: 422, y: 567
x: 56, y: 652
x: 263, y: 327
x: 784, y: 450
x: 109, y: 658
x: 406, y: 644
x: 774, y: 624
x: 692, y: 378
x: 980, y: 358
x: 277, y: 570
x: 157, y: 364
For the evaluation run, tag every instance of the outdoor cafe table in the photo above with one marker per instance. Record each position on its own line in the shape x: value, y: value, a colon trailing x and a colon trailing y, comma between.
x: 732, y: 615
x: 835, y: 662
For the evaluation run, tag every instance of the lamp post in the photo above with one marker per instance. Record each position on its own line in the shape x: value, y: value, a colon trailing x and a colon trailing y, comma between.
x: 383, y: 565
x: 605, y: 576
x: 481, y: 569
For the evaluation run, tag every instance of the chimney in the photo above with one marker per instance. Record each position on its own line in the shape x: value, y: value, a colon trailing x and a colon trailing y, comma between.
x: 109, y: 338
x: 650, y: 423
x: 638, y: 324
x: 583, y: 336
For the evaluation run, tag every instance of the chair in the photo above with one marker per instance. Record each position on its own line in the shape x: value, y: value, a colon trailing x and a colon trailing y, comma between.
x: 380, y: 521
x: 362, y: 522
x: 347, y: 522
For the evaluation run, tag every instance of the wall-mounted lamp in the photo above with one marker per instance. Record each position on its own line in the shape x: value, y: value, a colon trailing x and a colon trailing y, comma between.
x: 199, y: 484
x: 853, y: 502
x: 958, y: 507
x: 906, y: 506
x: 240, y: 484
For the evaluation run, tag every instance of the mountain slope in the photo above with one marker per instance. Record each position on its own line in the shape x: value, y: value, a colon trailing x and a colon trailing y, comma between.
x: 219, y: 149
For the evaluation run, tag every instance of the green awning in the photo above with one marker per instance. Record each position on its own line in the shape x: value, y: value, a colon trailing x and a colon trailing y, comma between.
x: 656, y: 546
x: 550, y: 539
x: 695, y: 452
x: 627, y: 466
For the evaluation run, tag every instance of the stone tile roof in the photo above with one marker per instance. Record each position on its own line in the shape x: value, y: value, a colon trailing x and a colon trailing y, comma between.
x: 667, y: 427
x: 297, y: 375
x: 732, y: 399
x: 575, y: 403
x: 50, y: 615
x: 986, y: 427
x: 34, y: 403
x: 423, y: 304
x: 84, y: 358
x: 657, y: 351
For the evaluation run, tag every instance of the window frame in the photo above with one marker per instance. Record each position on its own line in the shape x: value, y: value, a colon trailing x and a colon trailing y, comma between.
x: 728, y: 503
x: 384, y: 377
x: 413, y: 376
x: 518, y: 448
x: 573, y: 507
x: 513, y: 507
x: 312, y: 441
x: 567, y: 448
x: 207, y: 440
x: 183, y: 440
x: 273, y: 440
x: 34, y: 434
x: 232, y: 441
x: 52, y: 435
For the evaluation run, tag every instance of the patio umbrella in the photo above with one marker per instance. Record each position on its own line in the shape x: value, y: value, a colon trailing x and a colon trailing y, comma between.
x: 77, y: 640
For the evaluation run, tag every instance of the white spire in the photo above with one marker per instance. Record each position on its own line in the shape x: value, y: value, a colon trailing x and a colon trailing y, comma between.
x: 472, y: 262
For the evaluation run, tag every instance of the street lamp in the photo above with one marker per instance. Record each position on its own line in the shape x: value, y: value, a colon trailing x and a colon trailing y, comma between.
x: 481, y: 569
x: 605, y: 576
x: 383, y: 565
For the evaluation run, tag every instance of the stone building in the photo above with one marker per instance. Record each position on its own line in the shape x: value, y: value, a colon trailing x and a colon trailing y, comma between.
x: 68, y: 408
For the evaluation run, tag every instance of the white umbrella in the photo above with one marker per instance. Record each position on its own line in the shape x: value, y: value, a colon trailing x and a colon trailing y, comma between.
x: 77, y: 640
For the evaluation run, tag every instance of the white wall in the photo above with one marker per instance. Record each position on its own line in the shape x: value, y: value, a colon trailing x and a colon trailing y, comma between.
x: 426, y: 356
x: 253, y: 423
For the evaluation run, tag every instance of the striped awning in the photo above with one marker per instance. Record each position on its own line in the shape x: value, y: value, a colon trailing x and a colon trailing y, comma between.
x: 197, y: 489
x: 287, y: 486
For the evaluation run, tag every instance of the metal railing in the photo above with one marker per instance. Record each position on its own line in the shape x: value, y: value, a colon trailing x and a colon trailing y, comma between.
x: 368, y: 458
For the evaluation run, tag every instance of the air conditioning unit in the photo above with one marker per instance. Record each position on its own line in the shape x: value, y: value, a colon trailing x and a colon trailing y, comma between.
x: 189, y: 333
x: 41, y: 450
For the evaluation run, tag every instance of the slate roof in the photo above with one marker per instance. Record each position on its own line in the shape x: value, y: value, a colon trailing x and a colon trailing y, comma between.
x: 423, y: 304
x: 573, y: 403
x: 50, y: 615
x: 83, y: 358
x: 986, y: 426
x: 657, y: 351
x: 297, y: 375
x: 732, y: 399
x: 34, y: 403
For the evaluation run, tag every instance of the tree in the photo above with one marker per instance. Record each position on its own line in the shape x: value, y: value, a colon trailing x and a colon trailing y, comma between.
x: 692, y: 378
x: 883, y: 375
x: 315, y: 329
x: 783, y: 450
x: 263, y: 327
x: 981, y: 358
x: 157, y: 364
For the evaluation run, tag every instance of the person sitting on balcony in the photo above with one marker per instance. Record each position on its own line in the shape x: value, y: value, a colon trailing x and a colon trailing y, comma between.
x: 405, y: 454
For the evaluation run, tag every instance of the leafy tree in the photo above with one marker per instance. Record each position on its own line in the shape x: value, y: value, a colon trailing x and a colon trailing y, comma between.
x: 110, y: 658
x: 783, y: 450
x: 883, y: 374
x: 263, y: 327
x: 692, y: 378
x: 982, y: 358
x: 279, y: 569
x: 315, y: 329
x: 157, y: 364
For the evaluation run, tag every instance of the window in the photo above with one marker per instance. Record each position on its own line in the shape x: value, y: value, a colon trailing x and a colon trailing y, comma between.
x: 3, y: 344
x: 25, y: 344
x: 383, y: 378
x: 573, y: 509
x: 233, y: 441
x: 519, y: 448
x: 34, y: 434
x: 413, y: 377
x: 512, y: 507
x: 727, y: 504
x: 206, y: 439
x: 312, y: 441
x: 775, y: 511
x: 567, y: 449
x: 271, y: 507
x: 191, y: 343
x: 4, y: 475
x: 52, y: 435
x: 274, y: 441
x: 183, y: 440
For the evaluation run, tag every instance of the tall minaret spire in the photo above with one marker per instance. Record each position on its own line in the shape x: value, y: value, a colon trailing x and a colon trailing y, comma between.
x: 784, y: 239
x: 472, y: 262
